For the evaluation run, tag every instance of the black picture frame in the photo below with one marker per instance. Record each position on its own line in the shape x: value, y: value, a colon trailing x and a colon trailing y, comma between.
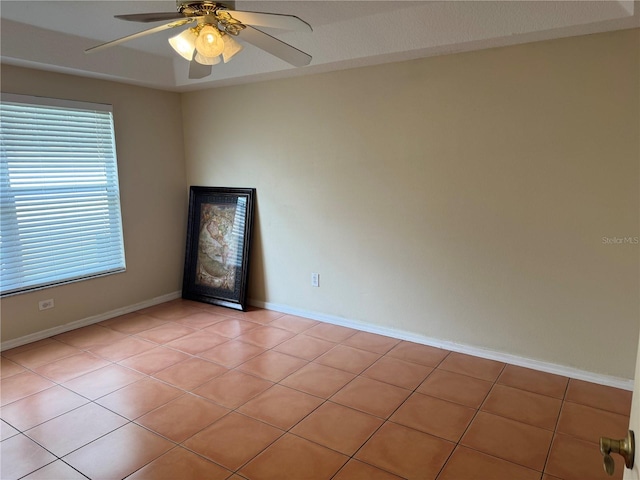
x: 216, y: 267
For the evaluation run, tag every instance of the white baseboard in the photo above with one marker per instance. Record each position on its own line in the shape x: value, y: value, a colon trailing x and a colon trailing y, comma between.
x: 570, y: 372
x: 33, y: 337
x: 563, y: 370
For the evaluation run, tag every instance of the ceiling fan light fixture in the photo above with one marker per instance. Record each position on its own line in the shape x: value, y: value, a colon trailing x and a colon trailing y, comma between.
x: 202, y: 60
x: 185, y: 43
x: 209, y: 42
x: 231, y: 47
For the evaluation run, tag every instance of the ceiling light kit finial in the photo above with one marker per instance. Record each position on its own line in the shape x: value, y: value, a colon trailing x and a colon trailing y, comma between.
x: 211, y: 40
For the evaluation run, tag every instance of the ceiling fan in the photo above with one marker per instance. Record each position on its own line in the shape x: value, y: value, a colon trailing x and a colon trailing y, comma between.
x: 211, y: 40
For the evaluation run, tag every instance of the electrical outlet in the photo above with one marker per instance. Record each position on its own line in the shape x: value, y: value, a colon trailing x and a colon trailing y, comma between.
x: 315, y: 279
x: 46, y: 304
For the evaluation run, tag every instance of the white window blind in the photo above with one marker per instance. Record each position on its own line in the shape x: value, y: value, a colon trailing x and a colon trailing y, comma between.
x: 60, y: 218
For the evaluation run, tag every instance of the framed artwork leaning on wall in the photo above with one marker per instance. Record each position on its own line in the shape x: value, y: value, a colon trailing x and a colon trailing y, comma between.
x: 216, y: 267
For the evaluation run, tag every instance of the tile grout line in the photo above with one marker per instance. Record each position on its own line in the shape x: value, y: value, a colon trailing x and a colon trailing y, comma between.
x: 149, y: 376
x: 496, y: 382
x: 384, y: 420
x: 555, y: 429
x: 60, y: 384
x: 90, y: 401
x: 325, y: 400
x: 295, y: 334
x: 387, y: 419
x: 274, y: 383
x: 457, y: 444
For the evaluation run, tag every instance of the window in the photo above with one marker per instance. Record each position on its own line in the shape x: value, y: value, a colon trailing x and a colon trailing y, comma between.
x: 60, y: 203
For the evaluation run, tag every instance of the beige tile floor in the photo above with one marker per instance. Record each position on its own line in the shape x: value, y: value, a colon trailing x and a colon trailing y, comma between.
x: 186, y: 390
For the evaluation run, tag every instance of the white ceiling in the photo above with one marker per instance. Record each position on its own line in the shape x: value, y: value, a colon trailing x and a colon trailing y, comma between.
x: 52, y: 35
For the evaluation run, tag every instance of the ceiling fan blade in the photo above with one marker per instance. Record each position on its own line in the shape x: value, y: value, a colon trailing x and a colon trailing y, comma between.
x: 273, y: 20
x: 149, y: 31
x: 275, y: 47
x: 197, y: 70
x: 150, y: 17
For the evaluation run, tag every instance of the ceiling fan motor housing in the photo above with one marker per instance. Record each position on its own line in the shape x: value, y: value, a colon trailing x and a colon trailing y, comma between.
x: 214, y: 14
x: 202, y: 8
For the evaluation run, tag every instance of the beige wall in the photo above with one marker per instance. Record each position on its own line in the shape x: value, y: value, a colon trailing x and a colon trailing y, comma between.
x: 148, y: 127
x: 463, y: 197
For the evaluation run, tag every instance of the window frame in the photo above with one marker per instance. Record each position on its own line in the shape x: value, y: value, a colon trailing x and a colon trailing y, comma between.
x: 110, y: 195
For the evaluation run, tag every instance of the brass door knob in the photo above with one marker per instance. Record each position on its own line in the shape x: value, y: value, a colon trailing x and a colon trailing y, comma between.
x: 624, y: 447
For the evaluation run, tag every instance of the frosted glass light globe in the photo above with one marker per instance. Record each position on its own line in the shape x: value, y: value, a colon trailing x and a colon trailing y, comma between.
x: 184, y: 43
x: 209, y: 42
